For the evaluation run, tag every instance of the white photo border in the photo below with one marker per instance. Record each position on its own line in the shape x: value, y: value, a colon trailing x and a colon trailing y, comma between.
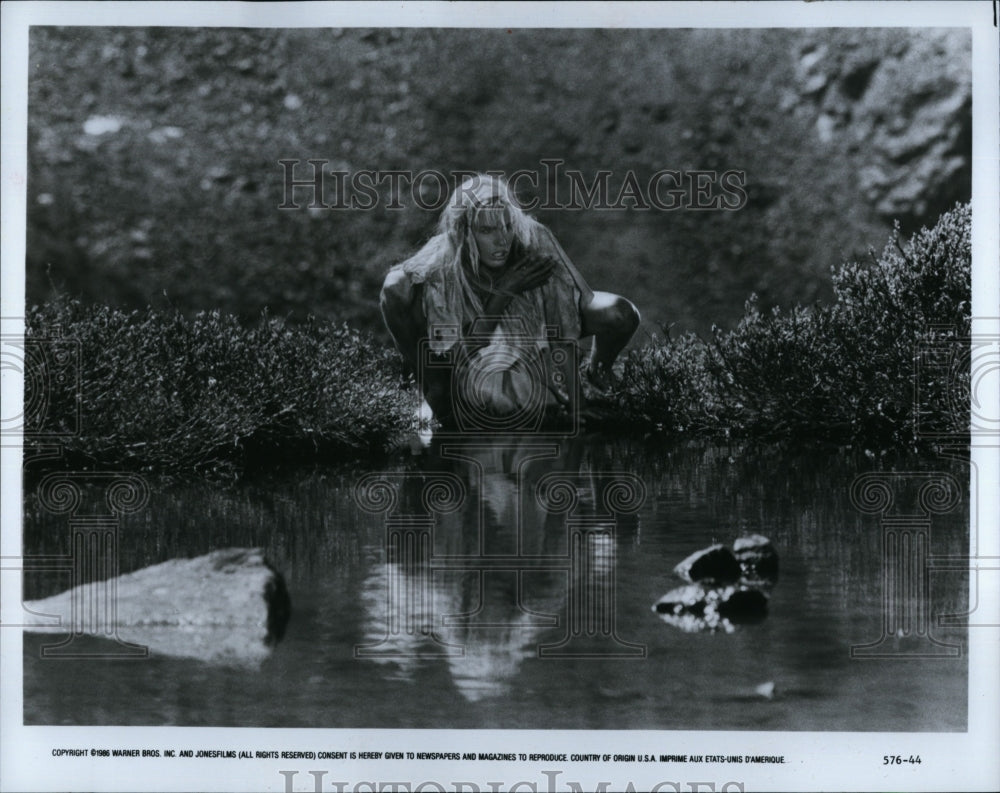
x: 814, y: 761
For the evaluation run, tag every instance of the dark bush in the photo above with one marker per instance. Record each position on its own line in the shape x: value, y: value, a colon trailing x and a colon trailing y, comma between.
x: 160, y: 391
x: 881, y: 366
x: 667, y: 387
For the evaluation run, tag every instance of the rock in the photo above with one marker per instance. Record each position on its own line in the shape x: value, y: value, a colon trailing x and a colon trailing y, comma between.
x: 908, y: 98
x: 826, y: 125
x: 743, y: 606
x: 715, y: 564
x: 690, y: 598
x: 757, y: 559
x: 102, y: 125
x: 814, y: 84
x: 694, y: 608
x: 689, y: 609
x: 164, y: 134
x: 726, y: 588
x: 856, y: 74
x: 765, y: 690
x: 809, y: 71
x: 229, y: 606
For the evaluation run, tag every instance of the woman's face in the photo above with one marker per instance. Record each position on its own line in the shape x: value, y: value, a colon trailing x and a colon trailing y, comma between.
x: 493, y: 236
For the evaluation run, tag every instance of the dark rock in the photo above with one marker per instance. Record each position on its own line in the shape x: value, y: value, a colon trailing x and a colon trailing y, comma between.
x: 715, y: 564
x: 757, y: 558
x: 726, y: 589
x: 744, y: 606
x: 695, y: 609
x: 857, y: 76
x: 279, y: 607
x: 662, y: 112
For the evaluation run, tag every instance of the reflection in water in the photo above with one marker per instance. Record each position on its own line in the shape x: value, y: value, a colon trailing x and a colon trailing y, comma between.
x: 499, y: 543
x: 536, y: 589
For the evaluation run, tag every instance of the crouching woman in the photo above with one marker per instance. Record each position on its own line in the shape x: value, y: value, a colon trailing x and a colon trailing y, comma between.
x: 489, y: 312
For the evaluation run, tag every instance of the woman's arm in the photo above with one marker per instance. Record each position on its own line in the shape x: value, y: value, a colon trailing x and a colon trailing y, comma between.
x: 528, y: 272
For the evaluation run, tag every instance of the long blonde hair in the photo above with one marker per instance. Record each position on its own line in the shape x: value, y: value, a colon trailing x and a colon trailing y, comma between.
x: 454, y: 242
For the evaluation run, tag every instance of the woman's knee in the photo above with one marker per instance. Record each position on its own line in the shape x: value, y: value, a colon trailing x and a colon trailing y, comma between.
x: 397, y: 301
x: 610, y: 313
x: 400, y: 307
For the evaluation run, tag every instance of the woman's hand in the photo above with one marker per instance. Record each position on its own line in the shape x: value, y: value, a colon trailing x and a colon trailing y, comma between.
x: 528, y: 272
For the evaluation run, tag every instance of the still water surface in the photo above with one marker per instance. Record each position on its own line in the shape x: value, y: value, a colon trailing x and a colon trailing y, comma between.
x: 509, y: 584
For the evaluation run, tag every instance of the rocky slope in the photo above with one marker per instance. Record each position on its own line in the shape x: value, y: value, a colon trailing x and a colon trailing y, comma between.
x: 154, y: 155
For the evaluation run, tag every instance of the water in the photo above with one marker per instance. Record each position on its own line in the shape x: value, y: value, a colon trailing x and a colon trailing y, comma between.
x: 529, y: 605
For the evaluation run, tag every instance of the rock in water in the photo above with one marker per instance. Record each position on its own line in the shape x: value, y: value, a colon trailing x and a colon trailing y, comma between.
x: 725, y: 589
x: 690, y: 599
x: 765, y: 690
x: 757, y: 558
x: 229, y: 606
x: 715, y: 564
x: 694, y: 608
x: 744, y: 606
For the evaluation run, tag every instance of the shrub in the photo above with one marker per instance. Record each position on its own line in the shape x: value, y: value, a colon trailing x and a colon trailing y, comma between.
x: 162, y: 392
x: 896, y: 315
x: 844, y: 372
x: 667, y: 387
x: 776, y: 375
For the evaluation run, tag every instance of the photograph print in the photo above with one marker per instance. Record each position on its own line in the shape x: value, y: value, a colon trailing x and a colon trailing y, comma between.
x: 498, y: 378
